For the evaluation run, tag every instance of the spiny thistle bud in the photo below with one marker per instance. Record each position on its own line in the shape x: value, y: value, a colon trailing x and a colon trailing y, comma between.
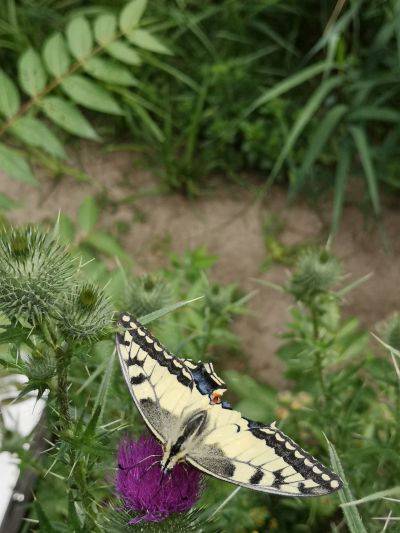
x: 35, y: 273
x: 146, y: 294
x: 316, y: 271
x: 40, y: 366
x: 389, y: 330
x: 85, y: 313
x: 219, y: 297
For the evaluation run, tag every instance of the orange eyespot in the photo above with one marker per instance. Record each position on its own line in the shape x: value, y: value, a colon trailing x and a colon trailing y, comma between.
x: 215, y: 397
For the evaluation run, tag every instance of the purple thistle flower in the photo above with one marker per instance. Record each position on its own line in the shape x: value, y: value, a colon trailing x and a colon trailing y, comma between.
x: 141, y: 486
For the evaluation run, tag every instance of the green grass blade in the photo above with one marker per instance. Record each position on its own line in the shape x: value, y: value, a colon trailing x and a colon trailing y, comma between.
x: 303, y: 119
x: 342, y: 170
x: 352, y: 516
x: 284, y: 86
x: 161, y: 312
x: 386, y: 114
x: 102, y: 394
x: 317, y: 143
x: 361, y: 141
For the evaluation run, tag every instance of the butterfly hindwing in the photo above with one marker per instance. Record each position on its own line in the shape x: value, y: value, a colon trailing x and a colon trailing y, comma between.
x: 259, y: 457
x: 169, y: 392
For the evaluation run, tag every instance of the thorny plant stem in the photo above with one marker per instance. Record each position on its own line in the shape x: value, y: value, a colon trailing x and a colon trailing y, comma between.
x: 318, y: 354
x: 35, y: 99
x: 79, y: 475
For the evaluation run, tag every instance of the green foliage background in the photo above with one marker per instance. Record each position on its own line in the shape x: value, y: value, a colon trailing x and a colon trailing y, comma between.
x: 295, y: 91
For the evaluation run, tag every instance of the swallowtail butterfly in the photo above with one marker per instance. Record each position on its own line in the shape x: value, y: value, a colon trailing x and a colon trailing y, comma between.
x: 180, y: 402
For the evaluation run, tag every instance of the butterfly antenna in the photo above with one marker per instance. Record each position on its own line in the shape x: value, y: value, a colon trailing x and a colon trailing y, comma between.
x: 178, y: 487
x: 137, y: 465
x: 150, y: 467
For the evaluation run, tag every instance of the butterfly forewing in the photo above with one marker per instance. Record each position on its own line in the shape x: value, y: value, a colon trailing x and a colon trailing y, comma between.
x: 169, y: 392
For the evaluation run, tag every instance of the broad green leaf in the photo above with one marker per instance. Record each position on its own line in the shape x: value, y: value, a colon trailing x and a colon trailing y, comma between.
x: 68, y: 117
x: 146, y: 40
x: 31, y: 73
x: 15, y: 166
x: 109, y: 71
x: 7, y: 203
x: 121, y: 51
x: 66, y: 229
x: 105, y: 27
x: 35, y: 133
x: 9, y: 97
x: 87, y: 214
x: 44, y: 522
x: 79, y: 37
x: 316, y: 146
x: 304, y: 118
x: 90, y: 95
x: 103, y: 242
x: 351, y: 514
x: 131, y: 15
x: 342, y: 171
x: 56, y: 57
x: 165, y: 310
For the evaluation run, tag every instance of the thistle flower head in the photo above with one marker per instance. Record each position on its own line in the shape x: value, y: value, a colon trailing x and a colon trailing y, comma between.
x: 85, y: 313
x: 219, y: 297
x: 146, y: 294
x: 35, y: 273
x: 40, y: 366
x: 389, y: 330
x: 139, y: 482
x: 316, y: 271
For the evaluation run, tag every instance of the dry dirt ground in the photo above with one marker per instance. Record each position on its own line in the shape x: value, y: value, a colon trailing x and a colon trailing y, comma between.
x: 220, y: 221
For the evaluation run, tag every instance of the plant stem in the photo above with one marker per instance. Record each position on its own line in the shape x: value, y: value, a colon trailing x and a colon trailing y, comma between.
x: 318, y: 354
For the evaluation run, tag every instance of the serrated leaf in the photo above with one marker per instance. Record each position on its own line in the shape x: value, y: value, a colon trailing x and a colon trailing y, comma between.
x: 103, y: 242
x: 87, y: 214
x: 55, y: 53
x: 68, y: 117
x: 15, y: 335
x: 66, y: 229
x: 31, y: 73
x: 7, y: 203
x: 145, y: 39
x: 40, y: 386
x: 44, y: 522
x: 109, y: 71
x: 15, y: 166
x: 93, y: 448
x: 105, y: 27
x: 90, y: 95
x: 9, y: 97
x: 121, y: 51
x: 131, y: 15
x: 79, y: 37
x: 74, y: 524
x: 35, y: 133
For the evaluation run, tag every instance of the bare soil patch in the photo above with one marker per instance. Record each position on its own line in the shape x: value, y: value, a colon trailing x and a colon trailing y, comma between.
x: 229, y: 225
